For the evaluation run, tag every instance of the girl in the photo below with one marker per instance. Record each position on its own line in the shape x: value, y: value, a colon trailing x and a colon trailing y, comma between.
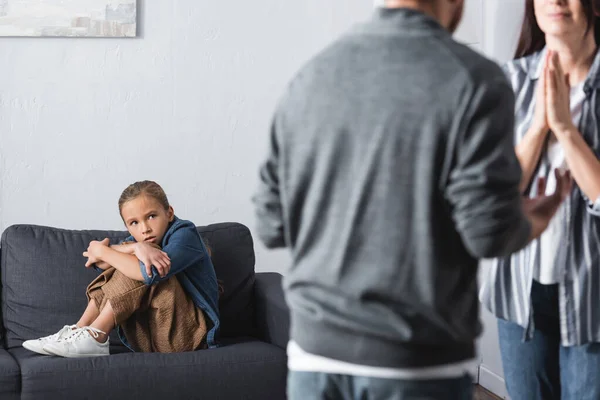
x: 547, y: 297
x: 158, y: 286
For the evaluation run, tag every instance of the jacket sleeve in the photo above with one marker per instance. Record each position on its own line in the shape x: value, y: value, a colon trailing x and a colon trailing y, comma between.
x: 185, y: 249
x: 483, y: 185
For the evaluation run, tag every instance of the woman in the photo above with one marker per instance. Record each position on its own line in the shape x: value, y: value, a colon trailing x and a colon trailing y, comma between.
x: 547, y: 297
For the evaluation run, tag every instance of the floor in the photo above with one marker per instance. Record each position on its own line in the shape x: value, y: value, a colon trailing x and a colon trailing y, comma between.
x: 482, y: 394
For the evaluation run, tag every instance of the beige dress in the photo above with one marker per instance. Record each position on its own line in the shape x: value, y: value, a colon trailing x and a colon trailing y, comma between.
x: 159, y: 318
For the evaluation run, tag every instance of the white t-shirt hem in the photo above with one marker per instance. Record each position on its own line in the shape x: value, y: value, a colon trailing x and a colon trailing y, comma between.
x: 301, y: 361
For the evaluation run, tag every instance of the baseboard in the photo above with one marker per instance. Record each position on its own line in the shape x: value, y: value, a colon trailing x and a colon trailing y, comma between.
x: 492, y: 382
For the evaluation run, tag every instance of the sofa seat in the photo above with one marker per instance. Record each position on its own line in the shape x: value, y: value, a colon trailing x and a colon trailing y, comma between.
x: 10, y: 376
x: 248, y: 369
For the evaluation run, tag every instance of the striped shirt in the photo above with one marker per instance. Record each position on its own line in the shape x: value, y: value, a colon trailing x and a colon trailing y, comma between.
x: 506, y: 283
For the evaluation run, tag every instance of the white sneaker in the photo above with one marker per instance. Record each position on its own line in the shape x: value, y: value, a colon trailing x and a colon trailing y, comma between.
x: 81, y: 343
x: 37, y: 345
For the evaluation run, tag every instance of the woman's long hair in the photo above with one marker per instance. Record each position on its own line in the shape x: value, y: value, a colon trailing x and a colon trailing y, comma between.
x: 532, y: 38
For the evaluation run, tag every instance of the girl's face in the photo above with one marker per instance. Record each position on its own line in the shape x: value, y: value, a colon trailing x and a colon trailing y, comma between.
x: 146, y: 219
x: 561, y: 18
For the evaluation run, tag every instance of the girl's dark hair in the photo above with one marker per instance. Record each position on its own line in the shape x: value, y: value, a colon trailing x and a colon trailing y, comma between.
x: 148, y: 188
x: 532, y: 38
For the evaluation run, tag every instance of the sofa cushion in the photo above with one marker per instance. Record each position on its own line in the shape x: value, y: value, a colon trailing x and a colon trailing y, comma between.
x: 248, y: 370
x: 44, y: 278
x: 10, y: 376
x: 233, y: 258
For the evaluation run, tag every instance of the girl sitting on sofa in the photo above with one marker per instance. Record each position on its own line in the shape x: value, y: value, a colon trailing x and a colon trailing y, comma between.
x: 158, y: 286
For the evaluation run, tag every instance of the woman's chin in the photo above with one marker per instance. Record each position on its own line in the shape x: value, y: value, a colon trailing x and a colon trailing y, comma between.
x: 561, y: 31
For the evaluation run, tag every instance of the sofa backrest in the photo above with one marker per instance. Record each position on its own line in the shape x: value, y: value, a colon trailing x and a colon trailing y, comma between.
x: 233, y: 257
x: 44, y: 278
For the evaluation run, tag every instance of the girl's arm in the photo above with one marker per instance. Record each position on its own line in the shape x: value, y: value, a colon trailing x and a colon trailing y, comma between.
x: 125, y: 248
x: 130, y: 259
x: 127, y: 264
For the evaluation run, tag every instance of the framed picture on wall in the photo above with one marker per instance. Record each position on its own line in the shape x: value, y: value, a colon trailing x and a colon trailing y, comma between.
x: 68, y: 18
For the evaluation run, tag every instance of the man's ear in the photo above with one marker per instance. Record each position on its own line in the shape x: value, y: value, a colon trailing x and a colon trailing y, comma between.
x: 171, y: 214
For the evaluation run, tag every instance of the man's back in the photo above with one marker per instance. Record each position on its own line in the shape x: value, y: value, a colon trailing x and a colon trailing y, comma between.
x: 385, y: 178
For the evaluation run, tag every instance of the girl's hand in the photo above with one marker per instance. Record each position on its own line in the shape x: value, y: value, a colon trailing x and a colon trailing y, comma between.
x: 540, y: 117
x: 152, y: 255
x: 94, y: 250
x: 558, y: 98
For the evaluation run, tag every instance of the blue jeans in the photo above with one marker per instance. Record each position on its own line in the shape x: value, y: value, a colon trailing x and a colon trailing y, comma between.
x: 542, y: 369
x: 322, y: 386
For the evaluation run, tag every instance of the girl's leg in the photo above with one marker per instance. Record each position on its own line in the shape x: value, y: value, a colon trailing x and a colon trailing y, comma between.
x: 89, y: 315
x: 579, y: 371
x: 104, y: 322
x: 113, y: 289
x: 531, y: 369
x: 110, y: 289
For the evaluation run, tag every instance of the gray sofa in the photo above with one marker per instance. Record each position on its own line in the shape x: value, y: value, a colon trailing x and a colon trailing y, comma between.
x: 43, y: 288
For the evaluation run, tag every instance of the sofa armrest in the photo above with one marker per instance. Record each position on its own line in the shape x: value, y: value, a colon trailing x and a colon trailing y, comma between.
x: 272, y: 313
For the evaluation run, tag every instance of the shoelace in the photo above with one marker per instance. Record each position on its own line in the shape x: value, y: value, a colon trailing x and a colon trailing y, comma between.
x: 80, y: 333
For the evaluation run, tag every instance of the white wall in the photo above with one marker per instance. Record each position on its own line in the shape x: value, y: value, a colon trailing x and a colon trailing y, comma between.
x: 187, y: 104
x: 470, y: 30
x: 501, y: 28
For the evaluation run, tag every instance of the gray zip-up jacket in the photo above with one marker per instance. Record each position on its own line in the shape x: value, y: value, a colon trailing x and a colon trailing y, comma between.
x: 391, y: 171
